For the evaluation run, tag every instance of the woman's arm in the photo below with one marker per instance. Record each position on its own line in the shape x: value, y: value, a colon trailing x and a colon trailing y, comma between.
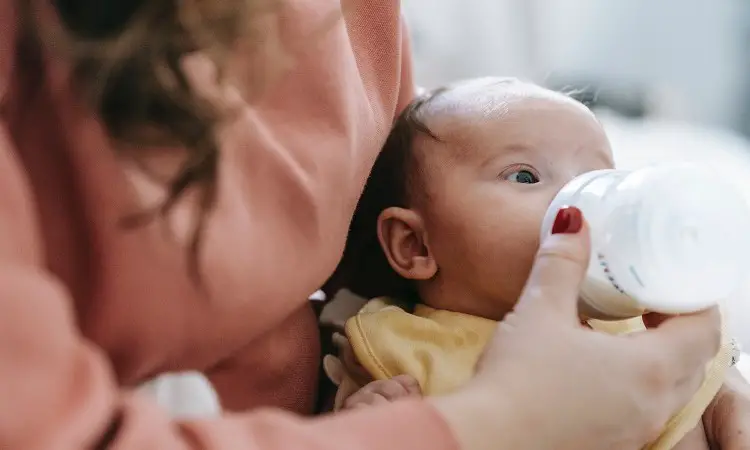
x: 696, y: 439
x: 59, y: 392
x: 727, y: 419
x: 230, y: 376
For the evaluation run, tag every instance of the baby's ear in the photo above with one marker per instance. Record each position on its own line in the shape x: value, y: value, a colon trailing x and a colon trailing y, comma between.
x: 404, y: 241
x: 334, y: 369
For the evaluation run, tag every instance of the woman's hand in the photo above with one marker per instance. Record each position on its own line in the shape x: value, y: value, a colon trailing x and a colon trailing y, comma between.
x: 727, y: 419
x: 547, y: 382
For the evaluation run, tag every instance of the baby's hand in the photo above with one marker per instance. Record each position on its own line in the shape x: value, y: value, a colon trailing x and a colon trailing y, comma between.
x: 384, y: 391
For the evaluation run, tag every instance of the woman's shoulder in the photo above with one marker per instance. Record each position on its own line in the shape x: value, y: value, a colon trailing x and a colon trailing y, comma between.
x: 297, y: 158
x: 329, y: 69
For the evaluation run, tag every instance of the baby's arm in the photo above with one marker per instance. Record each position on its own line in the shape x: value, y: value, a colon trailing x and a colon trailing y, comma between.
x: 694, y: 440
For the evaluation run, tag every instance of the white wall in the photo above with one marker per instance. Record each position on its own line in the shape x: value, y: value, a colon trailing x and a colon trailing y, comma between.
x: 460, y: 39
x: 690, y: 55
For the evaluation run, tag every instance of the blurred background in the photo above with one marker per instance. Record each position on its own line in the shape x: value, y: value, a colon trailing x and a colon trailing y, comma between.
x: 678, y: 59
x: 670, y: 79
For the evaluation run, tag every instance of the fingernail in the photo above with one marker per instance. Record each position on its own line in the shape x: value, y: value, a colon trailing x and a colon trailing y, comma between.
x: 569, y: 220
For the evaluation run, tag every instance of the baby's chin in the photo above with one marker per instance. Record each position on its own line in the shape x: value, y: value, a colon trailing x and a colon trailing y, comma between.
x: 496, y: 311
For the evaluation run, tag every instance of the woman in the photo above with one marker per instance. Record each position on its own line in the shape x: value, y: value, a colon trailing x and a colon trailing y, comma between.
x: 130, y: 248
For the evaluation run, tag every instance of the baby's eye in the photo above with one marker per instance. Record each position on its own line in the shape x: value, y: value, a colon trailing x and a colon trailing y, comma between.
x: 523, y: 176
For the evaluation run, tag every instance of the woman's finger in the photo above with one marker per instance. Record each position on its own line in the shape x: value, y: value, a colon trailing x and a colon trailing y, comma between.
x: 687, y: 342
x: 560, y: 266
x: 685, y: 390
x: 389, y: 389
x: 653, y: 320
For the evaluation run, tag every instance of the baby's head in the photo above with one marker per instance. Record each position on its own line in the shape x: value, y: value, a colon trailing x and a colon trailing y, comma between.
x: 450, y: 216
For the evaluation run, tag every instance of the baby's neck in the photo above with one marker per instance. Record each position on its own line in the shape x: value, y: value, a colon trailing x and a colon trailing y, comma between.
x: 462, y: 301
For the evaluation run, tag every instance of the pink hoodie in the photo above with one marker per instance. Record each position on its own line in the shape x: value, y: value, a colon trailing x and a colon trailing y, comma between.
x: 89, y: 309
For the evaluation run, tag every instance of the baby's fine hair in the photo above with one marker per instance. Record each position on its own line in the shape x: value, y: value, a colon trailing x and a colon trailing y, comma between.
x: 390, y: 184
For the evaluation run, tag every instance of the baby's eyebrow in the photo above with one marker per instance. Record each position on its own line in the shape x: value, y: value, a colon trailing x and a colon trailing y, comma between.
x: 515, y: 148
x: 507, y: 151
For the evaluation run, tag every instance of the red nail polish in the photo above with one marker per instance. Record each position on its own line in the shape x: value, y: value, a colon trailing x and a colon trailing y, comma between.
x: 569, y: 220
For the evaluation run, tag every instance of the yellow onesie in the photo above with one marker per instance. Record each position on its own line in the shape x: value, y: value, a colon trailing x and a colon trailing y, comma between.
x: 441, y: 348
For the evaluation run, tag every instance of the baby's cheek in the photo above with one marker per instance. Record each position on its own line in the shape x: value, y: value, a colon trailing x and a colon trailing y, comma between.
x: 505, y: 263
x: 491, y: 243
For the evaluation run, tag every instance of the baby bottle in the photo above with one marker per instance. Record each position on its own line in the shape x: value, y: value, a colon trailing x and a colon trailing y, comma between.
x: 670, y: 238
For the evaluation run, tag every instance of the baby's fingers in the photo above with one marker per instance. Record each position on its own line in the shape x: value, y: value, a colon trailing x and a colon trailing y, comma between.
x: 384, y: 391
x: 395, y: 388
x: 409, y: 384
x: 364, y: 399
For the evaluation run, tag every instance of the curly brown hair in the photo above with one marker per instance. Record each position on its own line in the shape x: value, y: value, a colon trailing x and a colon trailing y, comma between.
x: 126, y: 58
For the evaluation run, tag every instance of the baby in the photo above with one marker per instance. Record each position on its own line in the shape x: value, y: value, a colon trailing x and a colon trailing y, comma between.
x: 449, y: 225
